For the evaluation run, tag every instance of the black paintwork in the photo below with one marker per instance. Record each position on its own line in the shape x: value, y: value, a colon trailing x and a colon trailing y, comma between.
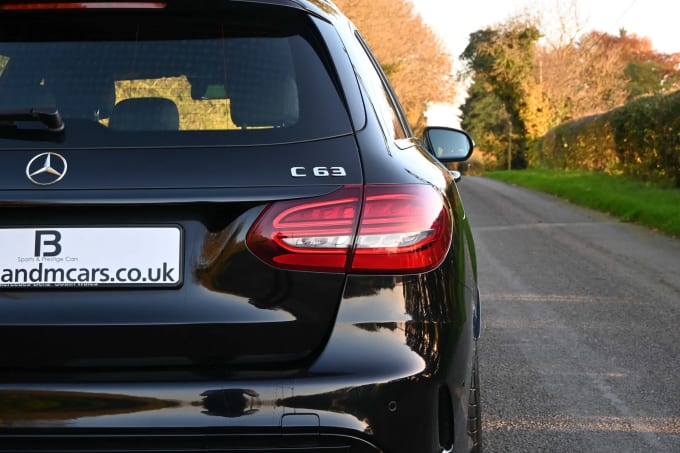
x: 187, y: 168
x: 242, y: 355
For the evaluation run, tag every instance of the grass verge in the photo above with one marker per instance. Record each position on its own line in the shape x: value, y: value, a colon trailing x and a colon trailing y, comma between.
x: 626, y: 198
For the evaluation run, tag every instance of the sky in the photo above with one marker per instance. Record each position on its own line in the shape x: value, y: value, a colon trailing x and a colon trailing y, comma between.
x: 454, y: 20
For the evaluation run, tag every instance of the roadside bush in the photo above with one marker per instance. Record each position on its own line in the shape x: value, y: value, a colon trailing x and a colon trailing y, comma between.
x: 647, y: 136
x: 641, y: 139
x: 583, y: 144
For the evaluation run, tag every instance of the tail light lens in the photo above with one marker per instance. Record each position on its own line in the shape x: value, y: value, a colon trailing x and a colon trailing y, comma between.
x: 372, y: 229
x: 403, y: 229
x: 308, y: 234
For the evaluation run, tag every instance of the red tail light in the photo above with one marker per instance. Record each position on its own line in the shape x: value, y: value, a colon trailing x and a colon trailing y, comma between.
x: 377, y: 229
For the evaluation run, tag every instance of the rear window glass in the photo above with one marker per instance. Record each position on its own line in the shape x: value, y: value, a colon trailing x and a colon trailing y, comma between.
x: 169, y: 81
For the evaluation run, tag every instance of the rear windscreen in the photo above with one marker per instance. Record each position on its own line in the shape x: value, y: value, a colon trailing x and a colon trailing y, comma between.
x: 163, y: 80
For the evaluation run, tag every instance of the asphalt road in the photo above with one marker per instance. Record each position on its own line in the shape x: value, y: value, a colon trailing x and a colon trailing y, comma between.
x: 580, y: 345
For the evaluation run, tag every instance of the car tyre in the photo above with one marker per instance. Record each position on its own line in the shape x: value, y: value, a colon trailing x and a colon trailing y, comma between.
x: 474, y: 408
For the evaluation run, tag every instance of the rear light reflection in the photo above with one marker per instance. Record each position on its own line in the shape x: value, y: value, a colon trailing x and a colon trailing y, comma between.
x: 82, y: 5
x: 377, y: 229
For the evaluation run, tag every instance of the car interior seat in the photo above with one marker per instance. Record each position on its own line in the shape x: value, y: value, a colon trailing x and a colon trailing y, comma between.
x: 262, y: 89
x: 145, y: 114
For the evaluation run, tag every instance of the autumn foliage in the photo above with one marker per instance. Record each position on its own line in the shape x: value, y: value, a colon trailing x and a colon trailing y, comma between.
x: 601, y: 72
x: 537, y: 86
x: 411, y: 54
x: 626, y: 108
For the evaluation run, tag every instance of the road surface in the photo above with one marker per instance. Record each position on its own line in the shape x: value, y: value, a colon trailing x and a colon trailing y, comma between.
x: 580, y: 345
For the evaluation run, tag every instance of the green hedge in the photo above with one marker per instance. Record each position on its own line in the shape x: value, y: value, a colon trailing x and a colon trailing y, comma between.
x: 640, y: 139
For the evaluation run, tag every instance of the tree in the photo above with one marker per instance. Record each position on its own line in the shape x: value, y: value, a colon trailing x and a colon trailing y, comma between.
x: 599, y: 72
x: 484, y: 117
x: 541, y: 84
x: 503, y: 58
x: 412, y: 56
x: 648, y: 71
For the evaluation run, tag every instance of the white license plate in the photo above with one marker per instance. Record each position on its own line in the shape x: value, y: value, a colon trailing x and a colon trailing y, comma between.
x: 90, y: 257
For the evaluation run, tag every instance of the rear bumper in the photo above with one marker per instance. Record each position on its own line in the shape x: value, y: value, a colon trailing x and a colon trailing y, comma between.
x: 368, y: 391
x: 395, y: 386
x: 184, y: 442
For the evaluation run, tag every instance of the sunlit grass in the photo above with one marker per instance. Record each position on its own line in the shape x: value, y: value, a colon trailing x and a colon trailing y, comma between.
x: 626, y: 198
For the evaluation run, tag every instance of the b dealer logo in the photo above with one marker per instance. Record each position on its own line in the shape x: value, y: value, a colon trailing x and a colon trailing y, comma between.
x: 47, y: 243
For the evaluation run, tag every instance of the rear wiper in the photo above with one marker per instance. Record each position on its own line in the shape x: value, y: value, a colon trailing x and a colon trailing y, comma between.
x: 50, y: 117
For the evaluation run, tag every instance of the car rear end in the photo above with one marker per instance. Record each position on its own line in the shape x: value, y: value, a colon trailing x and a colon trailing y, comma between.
x: 191, y: 256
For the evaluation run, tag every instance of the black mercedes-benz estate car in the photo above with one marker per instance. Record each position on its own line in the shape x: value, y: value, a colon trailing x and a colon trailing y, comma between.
x: 219, y: 233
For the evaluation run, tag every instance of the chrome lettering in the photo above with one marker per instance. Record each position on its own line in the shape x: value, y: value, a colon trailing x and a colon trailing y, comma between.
x: 298, y: 172
x: 319, y: 172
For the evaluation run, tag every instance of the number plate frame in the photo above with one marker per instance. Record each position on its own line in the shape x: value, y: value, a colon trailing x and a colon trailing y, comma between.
x: 81, y: 257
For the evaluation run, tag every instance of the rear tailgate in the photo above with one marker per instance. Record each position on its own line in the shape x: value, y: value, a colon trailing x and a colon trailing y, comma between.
x: 195, y: 295
x: 123, y: 238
